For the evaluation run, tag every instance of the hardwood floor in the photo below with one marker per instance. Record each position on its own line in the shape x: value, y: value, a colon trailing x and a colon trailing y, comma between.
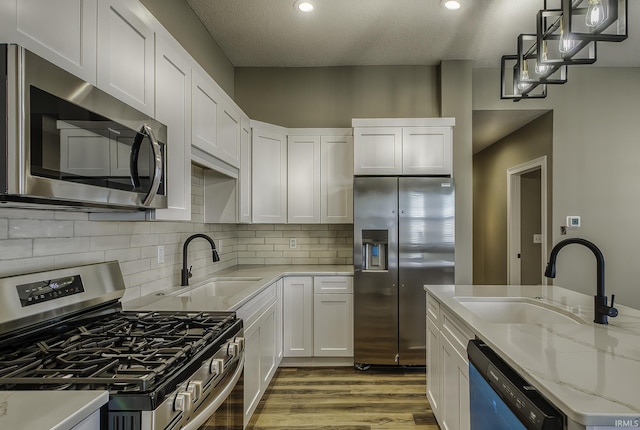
x: 346, y: 399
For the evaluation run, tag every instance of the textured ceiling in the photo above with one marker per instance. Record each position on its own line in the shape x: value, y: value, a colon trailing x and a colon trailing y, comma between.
x: 270, y: 33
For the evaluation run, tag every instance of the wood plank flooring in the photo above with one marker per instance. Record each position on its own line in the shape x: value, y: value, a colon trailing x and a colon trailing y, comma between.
x: 346, y: 399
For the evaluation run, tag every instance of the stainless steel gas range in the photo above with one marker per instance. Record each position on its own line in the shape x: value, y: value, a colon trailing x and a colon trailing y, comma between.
x: 65, y: 330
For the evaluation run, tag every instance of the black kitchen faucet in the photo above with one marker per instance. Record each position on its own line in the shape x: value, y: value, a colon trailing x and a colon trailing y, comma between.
x: 185, y: 273
x: 601, y: 310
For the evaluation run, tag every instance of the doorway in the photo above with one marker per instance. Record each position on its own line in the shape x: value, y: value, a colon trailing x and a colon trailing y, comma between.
x: 527, y: 222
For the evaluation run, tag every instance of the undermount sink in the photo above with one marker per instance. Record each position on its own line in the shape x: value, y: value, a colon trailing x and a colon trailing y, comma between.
x: 221, y: 286
x: 517, y: 310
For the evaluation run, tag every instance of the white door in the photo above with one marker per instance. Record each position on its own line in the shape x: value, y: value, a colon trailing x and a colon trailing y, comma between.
x: 125, y: 56
x: 298, y: 317
x: 62, y: 31
x: 377, y: 150
x: 229, y: 134
x: 173, y: 108
x: 333, y: 325
x: 303, y: 179
x: 516, y: 217
x: 204, y: 121
x: 269, y: 177
x: 336, y: 179
x: 427, y: 150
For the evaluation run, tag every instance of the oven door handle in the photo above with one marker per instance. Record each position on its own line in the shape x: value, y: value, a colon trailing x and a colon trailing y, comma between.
x: 197, y: 421
x: 145, y: 131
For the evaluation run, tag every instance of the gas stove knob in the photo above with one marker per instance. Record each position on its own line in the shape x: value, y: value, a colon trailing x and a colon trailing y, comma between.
x: 216, y: 366
x: 182, y: 402
x: 240, y: 342
x: 232, y: 349
x: 194, y: 388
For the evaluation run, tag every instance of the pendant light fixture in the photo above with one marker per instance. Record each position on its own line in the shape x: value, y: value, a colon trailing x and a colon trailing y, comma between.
x: 566, y: 35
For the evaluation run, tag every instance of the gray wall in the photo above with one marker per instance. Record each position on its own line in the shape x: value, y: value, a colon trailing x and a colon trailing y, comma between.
x: 456, y: 102
x: 332, y: 96
x: 596, y: 149
x: 180, y: 20
x: 490, y: 194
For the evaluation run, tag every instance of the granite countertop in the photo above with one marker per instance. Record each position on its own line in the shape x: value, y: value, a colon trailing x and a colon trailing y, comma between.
x: 51, y: 410
x: 590, y: 371
x: 194, y: 298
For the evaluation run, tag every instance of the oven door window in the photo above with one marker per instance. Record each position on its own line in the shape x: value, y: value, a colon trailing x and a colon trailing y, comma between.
x: 72, y: 144
x: 488, y: 411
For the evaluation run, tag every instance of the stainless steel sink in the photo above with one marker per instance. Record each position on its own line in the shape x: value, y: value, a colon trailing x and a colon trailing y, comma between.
x: 517, y: 310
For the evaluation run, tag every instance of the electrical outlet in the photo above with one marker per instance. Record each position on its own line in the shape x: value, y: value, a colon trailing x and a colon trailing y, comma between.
x: 160, y: 254
x: 219, y: 245
x: 293, y: 244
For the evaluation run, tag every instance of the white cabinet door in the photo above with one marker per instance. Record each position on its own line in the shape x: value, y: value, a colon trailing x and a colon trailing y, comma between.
x: 252, y: 363
x: 204, y: 122
x: 229, y: 134
x: 303, y: 189
x: 244, y: 177
x: 125, y: 56
x: 62, y: 31
x: 336, y: 187
x: 378, y: 150
x: 298, y: 317
x: 280, y: 319
x: 268, y: 352
x: 333, y: 325
x: 173, y: 108
x: 434, y: 368
x: 427, y: 151
x: 269, y: 177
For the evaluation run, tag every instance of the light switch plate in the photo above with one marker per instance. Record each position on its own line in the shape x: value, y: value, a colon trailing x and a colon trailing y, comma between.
x: 293, y: 243
x: 537, y: 238
x: 161, y: 254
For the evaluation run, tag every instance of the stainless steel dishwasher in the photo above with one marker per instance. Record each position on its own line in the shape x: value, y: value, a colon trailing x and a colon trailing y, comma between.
x: 501, y: 399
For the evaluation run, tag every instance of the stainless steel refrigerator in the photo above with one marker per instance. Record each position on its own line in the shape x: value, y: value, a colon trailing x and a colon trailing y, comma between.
x: 403, y: 240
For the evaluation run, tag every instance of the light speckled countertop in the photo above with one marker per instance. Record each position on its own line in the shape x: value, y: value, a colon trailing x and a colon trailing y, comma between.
x: 48, y: 410
x: 590, y: 371
x: 193, y: 298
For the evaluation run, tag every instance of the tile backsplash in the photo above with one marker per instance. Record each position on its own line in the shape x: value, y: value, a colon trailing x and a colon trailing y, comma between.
x: 34, y: 240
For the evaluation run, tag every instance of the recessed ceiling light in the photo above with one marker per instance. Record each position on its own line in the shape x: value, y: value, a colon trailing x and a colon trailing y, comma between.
x: 450, y: 4
x: 303, y: 6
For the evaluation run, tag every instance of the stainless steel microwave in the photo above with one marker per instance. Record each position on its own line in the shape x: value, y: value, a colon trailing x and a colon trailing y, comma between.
x: 65, y: 143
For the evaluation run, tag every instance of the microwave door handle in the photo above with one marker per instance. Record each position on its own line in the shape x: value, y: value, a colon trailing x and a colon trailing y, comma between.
x: 157, y: 156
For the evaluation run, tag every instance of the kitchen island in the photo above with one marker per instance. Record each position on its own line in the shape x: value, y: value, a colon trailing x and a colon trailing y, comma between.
x: 591, y: 372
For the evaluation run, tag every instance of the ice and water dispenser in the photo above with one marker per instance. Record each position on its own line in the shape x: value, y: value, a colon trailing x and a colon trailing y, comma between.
x: 374, y: 249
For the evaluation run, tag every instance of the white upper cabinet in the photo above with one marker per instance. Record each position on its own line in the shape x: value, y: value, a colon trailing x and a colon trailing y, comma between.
x: 204, y: 114
x: 173, y: 108
x: 336, y: 186
x: 303, y: 179
x: 378, y: 151
x: 244, y: 179
x: 427, y: 150
x: 62, y: 31
x: 411, y: 146
x: 125, y: 56
x: 269, y: 174
x: 229, y: 133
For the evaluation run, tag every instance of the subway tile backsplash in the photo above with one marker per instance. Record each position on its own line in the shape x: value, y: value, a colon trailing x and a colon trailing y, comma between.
x: 35, y: 240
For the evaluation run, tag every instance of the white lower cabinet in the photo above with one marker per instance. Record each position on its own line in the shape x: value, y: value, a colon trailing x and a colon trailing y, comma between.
x: 298, y: 316
x: 318, y: 316
x: 261, y: 328
x: 333, y: 316
x: 447, y: 367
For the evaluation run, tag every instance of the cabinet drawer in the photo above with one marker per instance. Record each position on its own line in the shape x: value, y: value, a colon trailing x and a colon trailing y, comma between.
x: 433, y: 310
x: 332, y: 284
x: 254, y: 308
x: 456, y: 332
